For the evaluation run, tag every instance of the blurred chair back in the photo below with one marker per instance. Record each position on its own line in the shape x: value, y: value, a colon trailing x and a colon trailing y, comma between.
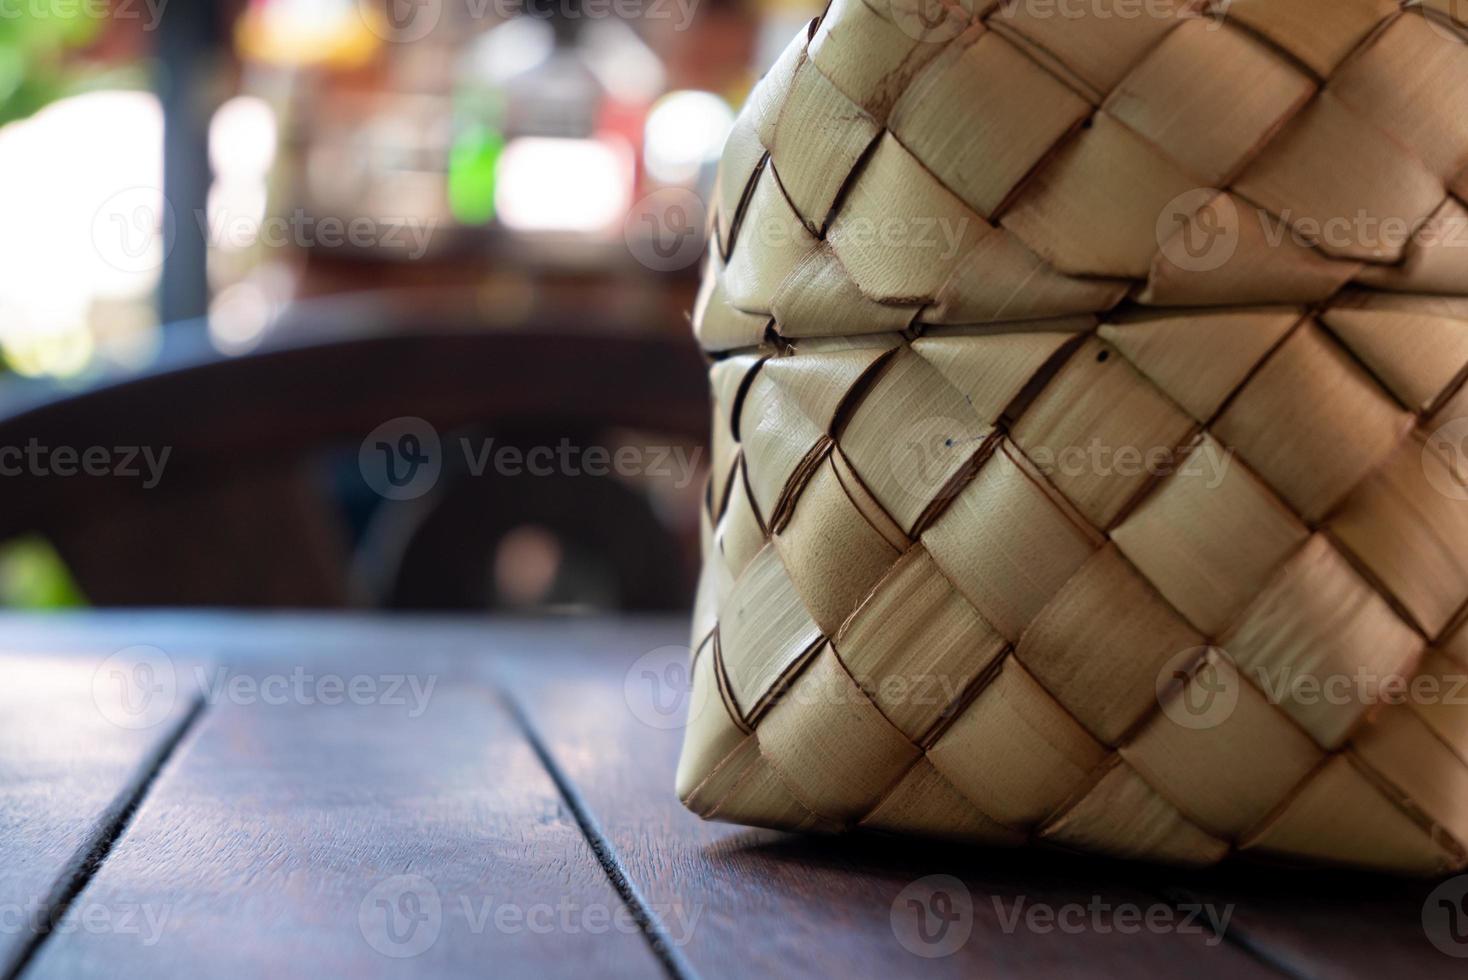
x: 260, y: 500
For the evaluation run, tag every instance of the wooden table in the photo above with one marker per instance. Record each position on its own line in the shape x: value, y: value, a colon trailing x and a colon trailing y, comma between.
x: 365, y: 797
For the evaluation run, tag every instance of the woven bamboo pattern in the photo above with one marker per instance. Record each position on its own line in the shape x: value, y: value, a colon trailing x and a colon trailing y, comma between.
x: 1082, y: 381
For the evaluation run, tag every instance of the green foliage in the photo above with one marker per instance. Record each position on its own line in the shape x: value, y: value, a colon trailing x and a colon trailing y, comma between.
x: 34, y: 39
x: 33, y: 576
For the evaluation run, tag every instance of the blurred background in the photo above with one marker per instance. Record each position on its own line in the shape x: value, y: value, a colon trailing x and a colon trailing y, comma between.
x: 287, y: 287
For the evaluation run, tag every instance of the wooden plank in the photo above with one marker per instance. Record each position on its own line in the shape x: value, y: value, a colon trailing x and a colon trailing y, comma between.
x: 78, y: 744
x: 403, y: 833
x: 1335, y: 924
x: 742, y: 902
x: 772, y: 901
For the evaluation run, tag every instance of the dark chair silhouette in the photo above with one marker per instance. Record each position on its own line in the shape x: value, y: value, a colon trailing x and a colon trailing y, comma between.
x: 249, y: 511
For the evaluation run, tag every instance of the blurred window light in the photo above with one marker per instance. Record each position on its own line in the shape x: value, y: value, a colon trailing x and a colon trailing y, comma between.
x: 510, y: 49
x: 243, y: 137
x: 567, y: 185
x: 685, y: 131
x: 83, y: 178
x: 40, y: 349
x: 239, y: 317
x: 243, y: 142
x: 126, y: 332
x: 335, y: 33
x: 236, y: 213
x: 626, y: 67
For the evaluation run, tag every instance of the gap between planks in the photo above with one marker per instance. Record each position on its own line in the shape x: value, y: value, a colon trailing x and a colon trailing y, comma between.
x: 1179, y: 896
x: 93, y: 853
x: 652, y: 928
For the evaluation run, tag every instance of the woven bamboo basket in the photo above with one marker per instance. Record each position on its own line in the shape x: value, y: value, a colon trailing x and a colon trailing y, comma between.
x: 1090, y: 433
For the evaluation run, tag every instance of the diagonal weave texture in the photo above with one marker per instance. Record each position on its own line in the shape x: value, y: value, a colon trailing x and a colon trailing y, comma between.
x: 1086, y: 452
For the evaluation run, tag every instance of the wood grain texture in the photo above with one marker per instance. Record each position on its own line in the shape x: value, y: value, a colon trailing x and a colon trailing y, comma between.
x: 766, y: 903
x: 364, y: 839
x: 1333, y: 926
x: 266, y: 830
x: 68, y: 771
